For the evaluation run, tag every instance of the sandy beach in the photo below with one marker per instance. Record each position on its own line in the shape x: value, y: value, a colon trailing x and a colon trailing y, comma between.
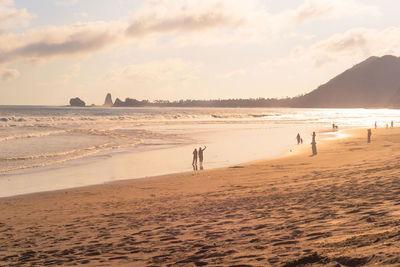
x: 339, y: 208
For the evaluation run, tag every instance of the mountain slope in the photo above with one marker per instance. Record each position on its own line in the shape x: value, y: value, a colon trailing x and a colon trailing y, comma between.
x: 374, y: 82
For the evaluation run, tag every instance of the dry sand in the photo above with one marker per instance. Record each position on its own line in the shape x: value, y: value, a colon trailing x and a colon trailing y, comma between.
x: 339, y: 208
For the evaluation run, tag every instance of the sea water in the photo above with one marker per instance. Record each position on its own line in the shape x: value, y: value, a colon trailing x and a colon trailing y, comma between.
x: 50, y: 148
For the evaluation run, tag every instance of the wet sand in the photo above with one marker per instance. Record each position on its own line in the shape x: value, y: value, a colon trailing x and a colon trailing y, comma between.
x: 339, y: 208
x: 227, y: 145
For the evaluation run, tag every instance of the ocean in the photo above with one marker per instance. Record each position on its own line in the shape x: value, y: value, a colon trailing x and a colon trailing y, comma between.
x: 49, y: 148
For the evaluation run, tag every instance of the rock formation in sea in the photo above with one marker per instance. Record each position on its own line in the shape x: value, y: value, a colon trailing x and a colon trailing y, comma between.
x: 108, y: 101
x: 77, y: 102
x: 119, y: 103
x: 130, y: 102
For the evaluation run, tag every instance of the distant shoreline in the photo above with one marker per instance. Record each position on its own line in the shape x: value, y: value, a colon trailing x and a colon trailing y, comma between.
x: 155, y: 106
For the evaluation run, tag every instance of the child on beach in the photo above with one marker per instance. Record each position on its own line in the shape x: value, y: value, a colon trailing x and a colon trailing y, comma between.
x: 194, y: 162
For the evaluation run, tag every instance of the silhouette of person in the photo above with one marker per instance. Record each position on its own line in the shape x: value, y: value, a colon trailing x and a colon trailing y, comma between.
x: 194, y: 157
x: 314, y: 145
x: 301, y: 140
x: 369, y: 136
x: 376, y: 125
x: 391, y: 124
x: 298, y: 138
x: 201, y: 150
x: 333, y: 126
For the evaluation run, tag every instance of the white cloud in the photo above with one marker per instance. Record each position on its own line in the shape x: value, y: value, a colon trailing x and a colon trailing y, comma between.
x: 305, y: 68
x: 345, y: 48
x: 321, y: 9
x: 172, y: 22
x: 234, y: 73
x: 11, y: 17
x: 183, y: 16
x: 8, y: 74
x: 67, y: 3
x: 194, y: 22
x: 72, y: 72
x: 357, y: 44
x: 186, y: 20
x: 52, y: 42
x: 201, y: 22
x: 155, y: 71
x: 81, y: 15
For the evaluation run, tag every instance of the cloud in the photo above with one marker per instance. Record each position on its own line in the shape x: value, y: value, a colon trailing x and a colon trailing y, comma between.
x: 357, y: 43
x: 198, y: 22
x: 8, y: 74
x: 321, y: 9
x: 347, y: 48
x: 81, y: 15
x: 51, y: 42
x: 201, y: 22
x: 234, y: 73
x: 67, y: 3
x: 305, y: 68
x: 153, y: 17
x: 155, y: 71
x: 351, y: 41
x: 11, y: 17
x: 164, y: 16
x: 174, y: 22
x: 72, y: 72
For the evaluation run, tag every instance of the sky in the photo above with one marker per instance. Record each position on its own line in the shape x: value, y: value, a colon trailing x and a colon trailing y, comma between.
x: 53, y: 50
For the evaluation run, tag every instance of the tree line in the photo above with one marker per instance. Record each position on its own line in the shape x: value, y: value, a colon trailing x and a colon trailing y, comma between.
x: 234, y: 102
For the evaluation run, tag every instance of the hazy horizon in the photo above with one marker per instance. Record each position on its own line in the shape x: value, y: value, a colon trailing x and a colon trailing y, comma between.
x: 158, y: 49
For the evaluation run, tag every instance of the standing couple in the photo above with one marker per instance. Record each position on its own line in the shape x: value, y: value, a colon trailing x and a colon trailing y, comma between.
x: 200, y: 154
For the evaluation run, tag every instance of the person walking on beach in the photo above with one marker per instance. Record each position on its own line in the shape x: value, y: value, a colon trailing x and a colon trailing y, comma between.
x: 369, y: 136
x: 391, y: 124
x: 376, y: 125
x: 194, y: 163
x: 298, y: 138
x: 313, y: 145
x: 201, y: 150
